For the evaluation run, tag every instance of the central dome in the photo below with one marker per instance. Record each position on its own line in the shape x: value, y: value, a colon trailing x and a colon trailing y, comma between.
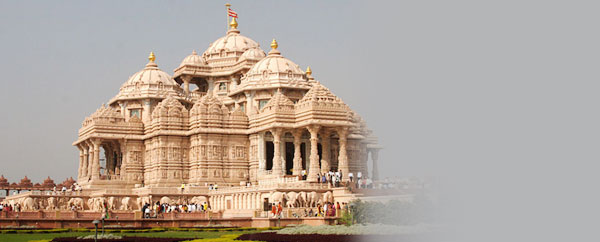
x: 231, y: 45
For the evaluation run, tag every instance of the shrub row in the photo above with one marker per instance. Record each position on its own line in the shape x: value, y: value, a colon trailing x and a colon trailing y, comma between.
x: 223, y: 238
x: 113, y: 230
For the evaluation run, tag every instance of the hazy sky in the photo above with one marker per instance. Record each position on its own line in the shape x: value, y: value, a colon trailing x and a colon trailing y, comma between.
x: 497, y: 98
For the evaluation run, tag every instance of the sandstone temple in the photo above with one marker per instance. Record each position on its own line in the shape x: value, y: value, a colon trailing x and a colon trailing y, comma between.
x: 233, y: 126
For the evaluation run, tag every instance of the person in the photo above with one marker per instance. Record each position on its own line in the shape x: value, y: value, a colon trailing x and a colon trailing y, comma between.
x: 182, y: 187
x: 325, y: 207
x: 350, y: 176
x: 333, y: 211
x: 274, y: 209
x: 319, y: 178
x: 324, y: 178
x: 1, y: 207
x: 303, y: 174
x: 279, y: 210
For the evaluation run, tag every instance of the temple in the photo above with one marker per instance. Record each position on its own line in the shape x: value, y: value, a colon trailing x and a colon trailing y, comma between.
x: 234, y: 117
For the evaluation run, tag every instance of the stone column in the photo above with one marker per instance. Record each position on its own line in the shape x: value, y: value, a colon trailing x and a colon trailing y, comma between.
x: 80, y: 171
x: 374, y: 157
x: 326, y: 154
x: 235, y: 201
x: 258, y: 201
x: 343, y: 155
x: 262, y: 162
x: 96, y: 164
x: 84, y: 168
x: 186, y: 84
x: 277, y: 168
x: 313, y: 171
x: 91, y: 156
x: 297, y: 169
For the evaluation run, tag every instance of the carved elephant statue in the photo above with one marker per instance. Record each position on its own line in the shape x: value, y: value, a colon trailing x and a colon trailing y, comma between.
x: 142, y: 200
x: 312, y: 199
x: 27, y: 204
x: 328, y: 197
x: 112, y: 203
x: 199, y: 199
x: 166, y: 200
x: 303, y: 199
x: 126, y: 204
x: 278, y: 197
x: 293, y: 200
x: 75, y: 202
x: 51, y: 201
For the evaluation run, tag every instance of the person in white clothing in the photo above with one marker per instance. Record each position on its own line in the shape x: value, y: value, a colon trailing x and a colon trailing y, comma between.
x: 350, y: 176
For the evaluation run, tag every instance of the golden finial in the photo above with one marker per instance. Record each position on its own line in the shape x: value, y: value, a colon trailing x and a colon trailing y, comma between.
x: 152, y: 57
x: 308, y: 71
x: 233, y: 23
x: 274, y: 44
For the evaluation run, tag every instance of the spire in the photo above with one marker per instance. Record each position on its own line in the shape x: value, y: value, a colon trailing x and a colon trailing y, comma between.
x: 151, y: 63
x: 152, y: 57
x: 194, y: 52
x: 233, y: 23
x: 309, y: 74
x: 274, y: 46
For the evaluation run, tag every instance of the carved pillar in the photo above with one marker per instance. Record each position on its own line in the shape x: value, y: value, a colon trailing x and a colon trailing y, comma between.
x: 374, y: 157
x: 297, y: 169
x: 186, y: 84
x: 123, y: 163
x: 84, y: 168
x: 262, y: 162
x: 313, y: 171
x: 80, y: 170
x: 96, y: 164
x: 90, y: 165
x: 234, y: 201
x: 343, y: 155
x: 326, y: 155
x: 277, y: 168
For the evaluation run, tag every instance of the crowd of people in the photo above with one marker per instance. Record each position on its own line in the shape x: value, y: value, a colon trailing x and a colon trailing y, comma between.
x: 10, y: 208
x: 157, y: 209
x: 329, y: 209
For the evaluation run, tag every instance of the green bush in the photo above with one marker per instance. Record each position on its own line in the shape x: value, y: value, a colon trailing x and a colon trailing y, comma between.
x: 394, y: 212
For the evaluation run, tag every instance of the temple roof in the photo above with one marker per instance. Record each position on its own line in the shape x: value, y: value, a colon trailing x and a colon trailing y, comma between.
x: 274, y: 71
x: 150, y: 82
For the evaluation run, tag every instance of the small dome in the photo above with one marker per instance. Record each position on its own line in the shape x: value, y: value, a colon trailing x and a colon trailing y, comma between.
x: 149, y: 82
x: 150, y: 75
x: 254, y: 53
x: 194, y: 59
x: 275, y: 66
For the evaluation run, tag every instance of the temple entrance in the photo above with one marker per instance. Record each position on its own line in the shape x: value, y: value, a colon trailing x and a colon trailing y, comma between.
x: 269, y: 149
x: 289, y: 157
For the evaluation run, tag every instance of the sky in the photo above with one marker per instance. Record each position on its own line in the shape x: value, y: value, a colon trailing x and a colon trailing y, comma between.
x: 497, y: 99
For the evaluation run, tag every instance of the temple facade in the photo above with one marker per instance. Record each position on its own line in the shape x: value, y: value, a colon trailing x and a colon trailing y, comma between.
x: 234, y: 117
x: 228, y: 116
